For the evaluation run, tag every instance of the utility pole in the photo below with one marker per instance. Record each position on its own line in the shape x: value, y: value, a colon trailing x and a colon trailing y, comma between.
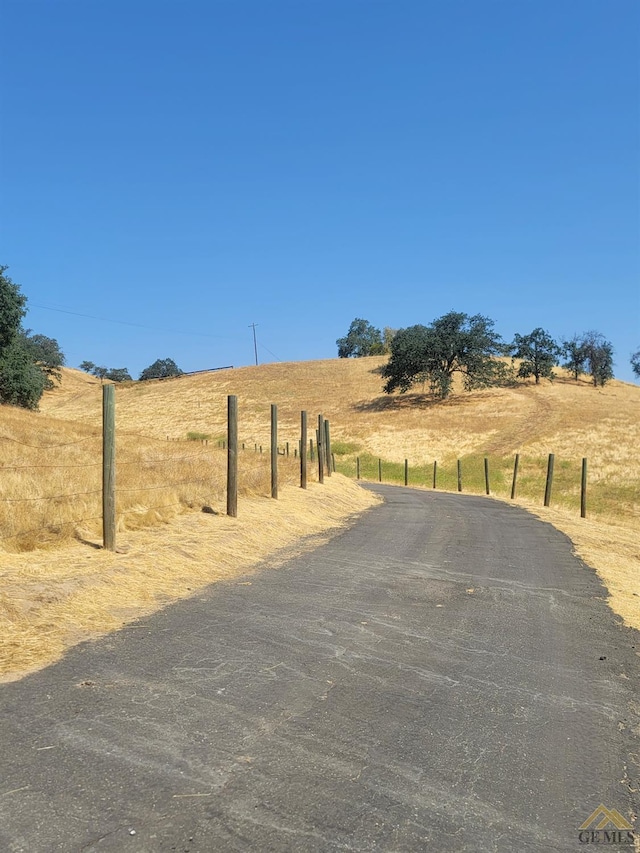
x: 255, y: 343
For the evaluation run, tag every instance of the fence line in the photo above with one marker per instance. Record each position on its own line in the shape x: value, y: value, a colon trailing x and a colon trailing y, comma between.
x: 51, y: 507
x: 209, y: 473
x: 459, y: 476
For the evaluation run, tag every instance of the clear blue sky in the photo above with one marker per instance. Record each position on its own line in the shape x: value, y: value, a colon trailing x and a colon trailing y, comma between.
x: 194, y: 166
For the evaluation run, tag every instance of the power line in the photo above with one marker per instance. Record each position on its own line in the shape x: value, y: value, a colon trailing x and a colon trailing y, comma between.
x: 270, y: 353
x: 126, y: 323
x: 156, y: 328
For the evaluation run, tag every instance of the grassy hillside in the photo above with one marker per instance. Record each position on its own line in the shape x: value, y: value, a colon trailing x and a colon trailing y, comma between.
x: 52, y: 467
x: 572, y: 420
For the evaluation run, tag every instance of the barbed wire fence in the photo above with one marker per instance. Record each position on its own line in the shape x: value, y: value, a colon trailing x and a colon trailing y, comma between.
x: 51, y: 490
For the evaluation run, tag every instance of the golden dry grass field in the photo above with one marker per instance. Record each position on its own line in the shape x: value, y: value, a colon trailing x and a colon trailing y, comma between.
x: 58, y: 587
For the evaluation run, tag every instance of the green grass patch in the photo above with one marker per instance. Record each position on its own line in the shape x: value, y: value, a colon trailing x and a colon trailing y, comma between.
x: 603, y: 498
x: 199, y: 436
x: 344, y: 448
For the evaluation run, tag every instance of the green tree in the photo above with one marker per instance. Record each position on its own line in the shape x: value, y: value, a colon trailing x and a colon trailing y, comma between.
x: 12, y: 308
x: 162, y: 368
x: 388, y: 334
x: 98, y: 370
x: 115, y: 374
x: 118, y: 374
x: 362, y: 339
x: 635, y: 362
x: 454, y: 343
x: 598, y: 357
x: 47, y: 354
x: 22, y: 381
x: 574, y: 355
x: 538, y: 353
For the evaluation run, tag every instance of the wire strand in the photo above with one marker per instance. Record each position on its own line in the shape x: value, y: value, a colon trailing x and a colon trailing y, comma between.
x: 49, y: 446
x: 49, y: 497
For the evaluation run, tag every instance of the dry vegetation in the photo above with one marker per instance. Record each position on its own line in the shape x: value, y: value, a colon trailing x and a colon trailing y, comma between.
x: 53, y: 599
x: 161, y: 476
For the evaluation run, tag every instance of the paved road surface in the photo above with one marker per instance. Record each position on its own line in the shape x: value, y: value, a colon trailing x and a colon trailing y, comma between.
x: 444, y: 676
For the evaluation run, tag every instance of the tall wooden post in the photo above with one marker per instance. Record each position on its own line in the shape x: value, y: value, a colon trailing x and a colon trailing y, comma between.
x: 379, y: 470
x: 549, y: 483
x: 459, y: 476
x: 320, y: 443
x: 303, y: 447
x: 108, y: 467
x: 312, y: 457
x: 486, y: 476
x: 515, y: 476
x: 327, y: 445
x: 357, y: 467
x: 232, y: 456
x: 435, y: 472
x: 406, y: 472
x: 583, y: 490
x: 274, y: 451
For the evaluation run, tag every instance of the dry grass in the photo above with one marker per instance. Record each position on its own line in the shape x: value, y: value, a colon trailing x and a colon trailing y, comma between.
x: 157, y: 484
x: 53, y: 599
x: 52, y: 472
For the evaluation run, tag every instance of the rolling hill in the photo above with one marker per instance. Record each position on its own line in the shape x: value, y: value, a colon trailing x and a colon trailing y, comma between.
x: 60, y: 587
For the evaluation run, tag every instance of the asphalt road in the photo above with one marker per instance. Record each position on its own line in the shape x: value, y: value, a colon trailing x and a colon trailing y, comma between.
x: 443, y: 676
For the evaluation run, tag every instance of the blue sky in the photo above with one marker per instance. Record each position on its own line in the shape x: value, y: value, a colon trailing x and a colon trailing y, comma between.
x: 193, y: 166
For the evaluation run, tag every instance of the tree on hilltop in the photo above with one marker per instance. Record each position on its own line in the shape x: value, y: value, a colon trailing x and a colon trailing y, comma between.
x: 538, y: 353
x: 162, y: 368
x: 46, y: 353
x: 598, y: 357
x: 97, y: 370
x: 118, y: 374
x: 388, y: 334
x: 574, y: 355
x: 115, y: 374
x: 635, y: 362
x: 453, y: 343
x: 362, y: 339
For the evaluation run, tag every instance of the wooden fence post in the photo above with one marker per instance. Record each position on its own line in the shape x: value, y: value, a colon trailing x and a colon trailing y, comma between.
x: 274, y: 451
x: 459, y: 476
x: 583, y: 490
x: 486, y: 476
x: 320, y: 444
x: 333, y: 462
x: 379, y: 470
x: 108, y: 467
x: 357, y: 467
x: 303, y: 446
x: 549, y: 483
x: 312, y: 456
x: 327, y: 445
x: 406, y: 472
x: 232, y: 456
x: 515, y: 475
x: 435, y: 472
